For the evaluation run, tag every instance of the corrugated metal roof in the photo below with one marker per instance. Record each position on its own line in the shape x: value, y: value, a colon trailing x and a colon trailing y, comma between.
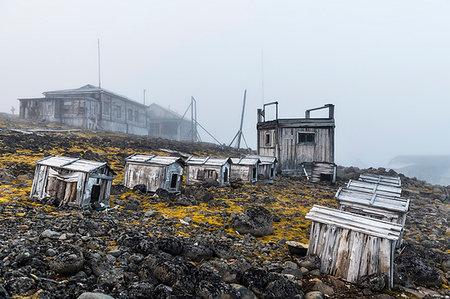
x: 373, y: 199
x: 154, y: 159
x: 74, y: 164
x: 208, y: 161
x: 354, y: 222
x: 245, y: 161
x: 264, y: 159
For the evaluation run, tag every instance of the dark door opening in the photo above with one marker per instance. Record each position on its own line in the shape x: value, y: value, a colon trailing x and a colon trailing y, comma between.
x: 95, y: 193
x: 173, y: 181
x: 271, y: 172
x: 225, y: 175
x: 325, y: 177
x: 254, y: 173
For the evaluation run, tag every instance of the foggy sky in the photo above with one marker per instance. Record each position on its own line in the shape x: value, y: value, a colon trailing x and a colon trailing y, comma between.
x: 384, y: 64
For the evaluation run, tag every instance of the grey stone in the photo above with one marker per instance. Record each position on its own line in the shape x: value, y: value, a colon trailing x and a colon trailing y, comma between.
x: 314, y: 295
x: 243, y: 292
x: 48, y: 233
x: 323, y: 288
x: 89, y: 295
x: 151, y: 213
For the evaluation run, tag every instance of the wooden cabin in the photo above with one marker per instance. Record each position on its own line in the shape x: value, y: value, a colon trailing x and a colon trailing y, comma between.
x: 203, y: 169
x: 298, y: 140
x: 351, y: 246
x: 245, y: 169
x: 266, y: 169
x: 73, y: 181
x: 381, y: 179
x: 374, y: 187
x: 154, y: 172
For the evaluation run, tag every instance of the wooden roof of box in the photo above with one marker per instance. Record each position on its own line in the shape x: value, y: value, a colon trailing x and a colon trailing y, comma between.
x: 154, y: 159
x: 73, y: 164
x: 264, y: 159
x: 208, y: 161
x: 245, y: 161
x: 381, y: 179
x: 374, y: 187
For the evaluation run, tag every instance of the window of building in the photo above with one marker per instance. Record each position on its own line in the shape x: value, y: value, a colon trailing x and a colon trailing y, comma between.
x: 303, y: 137
x: 130, y: 114
x: 268, y: 139
x: 105, y: 108
x: 136, y: 115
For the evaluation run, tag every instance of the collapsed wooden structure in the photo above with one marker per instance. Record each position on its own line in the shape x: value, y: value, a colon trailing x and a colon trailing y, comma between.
x: 244, y: 169
x: 381, y: 179
x: 266, y: 169
x: 370, y: 187
x: 320, y: 171
x: 352, y: 246
x: 73, y: 181
x: 154, y: 172
x: 207, y: 169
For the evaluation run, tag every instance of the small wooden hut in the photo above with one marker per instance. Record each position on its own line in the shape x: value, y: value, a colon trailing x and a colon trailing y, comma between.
x: 204, y: 169
x: 380, y: 189
x: 73, y: 181
x: 245, y: 169
x: 154, y: 172
x: 381, y: 179
x: 267, y: 167
x: 351, y: 246
x: 320, y: 171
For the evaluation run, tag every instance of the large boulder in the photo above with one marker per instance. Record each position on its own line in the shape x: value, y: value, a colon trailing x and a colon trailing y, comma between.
x: 70, y: 260
x: 256, y: 221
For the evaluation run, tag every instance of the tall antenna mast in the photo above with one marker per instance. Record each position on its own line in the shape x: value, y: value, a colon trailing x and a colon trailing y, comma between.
x: 144, y: 96
x: 98, y: 51
x: 262, y: 77
x: 240, y: 134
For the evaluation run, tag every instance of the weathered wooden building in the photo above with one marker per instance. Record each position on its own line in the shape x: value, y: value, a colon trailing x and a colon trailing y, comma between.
x: 244, y: 169
x: 73, y: 181
x: 88, y: 107
x: 351, y: 246
x: 93, y: 108
x: 204, y: 169
x: 295, y: 141
x: 378, y: 188
x: 266, y: 169
x: 154, y: 172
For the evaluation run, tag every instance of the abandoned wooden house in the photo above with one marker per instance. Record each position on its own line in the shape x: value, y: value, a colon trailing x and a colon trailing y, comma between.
x: 207, y: 169
x: 379, y: 188
x: 73, y: 181
x: 244, y: 170
x: 297, y: 141
x: 351, y: 246
x: 92, y: 108
x: 154, y: 172
x: 88, y: 107
x: 381, y: 179
x: 266, y: 169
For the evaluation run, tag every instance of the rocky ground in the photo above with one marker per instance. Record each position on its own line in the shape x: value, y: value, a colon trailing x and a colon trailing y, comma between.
x: 207, y: 242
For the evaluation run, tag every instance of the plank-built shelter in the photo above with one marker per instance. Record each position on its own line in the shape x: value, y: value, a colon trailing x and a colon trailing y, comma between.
x: 245, y: 169
x: 351, y: 246
x: 266, y: 169
x: 73, y: 181
x: 204, y: 169
x: 296, y: 141
x: 379, y: 188
x: 154, y: 172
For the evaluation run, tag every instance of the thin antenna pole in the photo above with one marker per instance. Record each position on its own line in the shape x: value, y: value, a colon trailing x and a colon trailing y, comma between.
x: 144, y: 96
x: 192, y: 119
x: 98, y: 50
x: 195, y: 116
x: 262, y: 77
x: 242, y: 121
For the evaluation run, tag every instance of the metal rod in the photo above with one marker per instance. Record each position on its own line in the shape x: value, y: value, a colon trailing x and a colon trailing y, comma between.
x: 144, y: 96
x: 98, y: 52
x: 242, y: 121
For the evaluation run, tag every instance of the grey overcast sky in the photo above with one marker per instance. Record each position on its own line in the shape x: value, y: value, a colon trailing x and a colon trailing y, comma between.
x: 385, y: 64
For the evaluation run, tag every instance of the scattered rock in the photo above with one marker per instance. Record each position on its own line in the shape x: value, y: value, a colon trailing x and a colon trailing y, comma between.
x: 88, y: 295
x: 375, y: 282
x: 256, y: 221
x: 69, y: 261
x: 314, y: 295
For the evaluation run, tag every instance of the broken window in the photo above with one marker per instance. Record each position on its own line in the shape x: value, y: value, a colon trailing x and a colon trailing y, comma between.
x: 303, y: 137
x: 268, y: 139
